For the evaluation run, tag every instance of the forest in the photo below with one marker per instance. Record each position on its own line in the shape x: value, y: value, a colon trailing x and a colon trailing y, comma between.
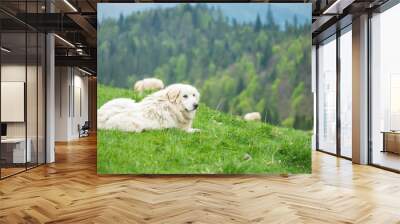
x: 239, y: 67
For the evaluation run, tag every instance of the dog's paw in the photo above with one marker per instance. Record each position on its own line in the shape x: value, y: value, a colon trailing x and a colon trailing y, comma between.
x: 192, y: 130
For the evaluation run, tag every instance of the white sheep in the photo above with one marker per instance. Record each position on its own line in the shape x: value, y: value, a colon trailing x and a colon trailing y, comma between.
x: 148, y: 84
x: 254, y: 116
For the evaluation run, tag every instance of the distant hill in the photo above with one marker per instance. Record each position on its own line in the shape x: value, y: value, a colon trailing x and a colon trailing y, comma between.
x: 238, y: 67
x: 281, y: 11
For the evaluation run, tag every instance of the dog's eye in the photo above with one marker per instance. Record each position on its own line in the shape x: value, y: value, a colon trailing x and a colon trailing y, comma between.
x: 185, y: 96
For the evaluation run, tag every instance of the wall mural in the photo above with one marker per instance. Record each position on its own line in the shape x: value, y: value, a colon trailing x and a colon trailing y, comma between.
x: 206, y: 88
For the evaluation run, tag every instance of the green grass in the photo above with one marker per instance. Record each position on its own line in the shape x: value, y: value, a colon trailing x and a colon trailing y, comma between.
x: 222, y: 146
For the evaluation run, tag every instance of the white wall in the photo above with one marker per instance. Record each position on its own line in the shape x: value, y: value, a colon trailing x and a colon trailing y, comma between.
x: 33, y: 126
x: 79, y: 102
x: 17, y: 73
x: 14, y: 73
x: 62, y: 82
x: 71, y: 87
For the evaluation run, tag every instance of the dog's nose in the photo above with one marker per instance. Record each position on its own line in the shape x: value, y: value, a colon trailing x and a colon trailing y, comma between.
x: 195, y: 106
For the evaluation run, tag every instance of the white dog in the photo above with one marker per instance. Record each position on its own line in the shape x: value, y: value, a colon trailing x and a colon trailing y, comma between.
x: 172, y: 107
x: 148, y: 84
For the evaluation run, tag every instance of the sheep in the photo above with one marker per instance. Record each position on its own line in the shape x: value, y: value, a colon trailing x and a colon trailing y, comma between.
x: 148, y: 84
x: 254, y: 116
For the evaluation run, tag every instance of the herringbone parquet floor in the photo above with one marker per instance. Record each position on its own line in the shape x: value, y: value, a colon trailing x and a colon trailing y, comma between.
x: 70, y: 191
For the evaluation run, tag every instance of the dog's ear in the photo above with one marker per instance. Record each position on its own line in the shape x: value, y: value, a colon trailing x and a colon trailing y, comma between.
x: 173, y: 94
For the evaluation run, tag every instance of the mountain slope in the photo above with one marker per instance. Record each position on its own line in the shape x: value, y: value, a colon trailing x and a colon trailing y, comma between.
x: 238, y: 67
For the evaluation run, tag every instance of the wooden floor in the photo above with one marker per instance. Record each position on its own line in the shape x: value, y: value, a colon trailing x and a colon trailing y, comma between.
x: 70, y: 191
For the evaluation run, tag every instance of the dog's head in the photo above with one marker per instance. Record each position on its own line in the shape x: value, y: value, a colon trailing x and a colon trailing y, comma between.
x: 185, y: 96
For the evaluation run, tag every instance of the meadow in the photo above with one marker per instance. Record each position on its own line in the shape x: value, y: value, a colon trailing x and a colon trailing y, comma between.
x: 226, y: 144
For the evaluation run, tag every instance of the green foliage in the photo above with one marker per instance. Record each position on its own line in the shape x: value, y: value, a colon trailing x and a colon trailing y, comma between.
x: 221, y: 146
x: 238, y: 67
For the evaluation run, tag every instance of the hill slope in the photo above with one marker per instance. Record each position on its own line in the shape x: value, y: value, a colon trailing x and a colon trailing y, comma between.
x: 223, y: 146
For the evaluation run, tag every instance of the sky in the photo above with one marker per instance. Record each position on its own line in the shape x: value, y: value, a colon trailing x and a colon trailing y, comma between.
x: 242, y: 12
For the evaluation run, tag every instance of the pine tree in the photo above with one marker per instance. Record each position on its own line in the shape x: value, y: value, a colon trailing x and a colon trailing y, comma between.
x: 121, y: 21
x: 270, y: 21
x: 295, y: 21
x: 258, y: 24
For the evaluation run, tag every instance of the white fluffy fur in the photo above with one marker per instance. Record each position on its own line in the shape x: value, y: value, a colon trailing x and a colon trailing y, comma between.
x: 172, y: 107
x: 148, y: 84
x: 254, y: 116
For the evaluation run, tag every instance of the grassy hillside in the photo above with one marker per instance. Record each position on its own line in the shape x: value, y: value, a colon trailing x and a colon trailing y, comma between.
x: 225, y: 145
